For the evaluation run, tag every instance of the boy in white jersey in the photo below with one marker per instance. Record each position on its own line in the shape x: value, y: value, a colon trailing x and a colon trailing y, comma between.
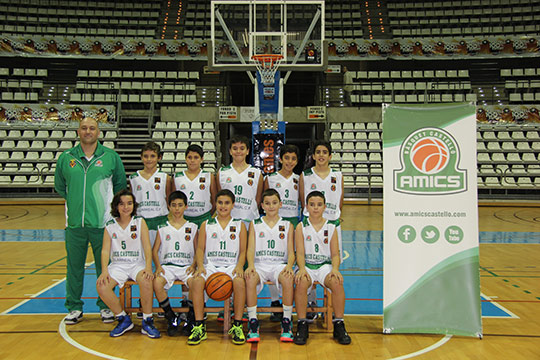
x: 199, y: 186
x: 285, y: 182
x: 270, y: 257
x: 222, y: 248
x: 317, y: 257
x: 126, y: 243
x: 151, y: 188
x: 244, y: 181
x: 319, y: 176
x: 174, y: 256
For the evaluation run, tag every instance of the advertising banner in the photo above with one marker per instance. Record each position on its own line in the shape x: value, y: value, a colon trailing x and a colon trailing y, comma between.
x: 431, y: 259
x: 266, y: 151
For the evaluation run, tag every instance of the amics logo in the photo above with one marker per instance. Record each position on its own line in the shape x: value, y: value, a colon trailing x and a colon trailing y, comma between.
x: 429, y: 164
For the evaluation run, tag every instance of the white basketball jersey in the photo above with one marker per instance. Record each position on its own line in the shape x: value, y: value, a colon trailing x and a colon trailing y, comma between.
x: 288, y: 191
x: 331, y: 188
x: 222, y: 245
x: 197, y: 192
x: 151, y: 194
x: 271, y: 243
x: 177, y: 244
x: 317, y: 243
x: 126, y: 245
x: 244, y: 187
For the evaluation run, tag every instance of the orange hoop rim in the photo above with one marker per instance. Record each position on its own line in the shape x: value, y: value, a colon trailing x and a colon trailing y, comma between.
x: 267, y: 60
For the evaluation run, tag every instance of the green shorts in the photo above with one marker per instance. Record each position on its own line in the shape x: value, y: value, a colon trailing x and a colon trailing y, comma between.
x: 153, y: 223
x: 294, y: 220
x: 199, y: 219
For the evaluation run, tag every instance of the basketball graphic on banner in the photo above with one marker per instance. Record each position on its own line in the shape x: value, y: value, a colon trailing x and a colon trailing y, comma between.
x: 429, y: 155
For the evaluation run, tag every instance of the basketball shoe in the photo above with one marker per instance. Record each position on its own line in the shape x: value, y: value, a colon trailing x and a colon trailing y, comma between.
x: 238, y: 337
x: 253, y: 333
x: 302, y: 333
x: 107, y: 316
x: 73, y: 317
x: 286, y: 330
x: 149, y: 329
x: 340, y: 333
x: 124, y: 324
x: 198, y: 333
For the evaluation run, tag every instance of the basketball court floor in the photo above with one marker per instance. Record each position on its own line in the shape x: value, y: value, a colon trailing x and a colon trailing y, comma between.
x: 32, y: 291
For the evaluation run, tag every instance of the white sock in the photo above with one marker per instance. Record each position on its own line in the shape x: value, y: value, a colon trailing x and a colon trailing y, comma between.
x: 122, y: 313
x: 146, y: 316
x: 287, y: 311
x: 274, y: 292
x: 252, y: 312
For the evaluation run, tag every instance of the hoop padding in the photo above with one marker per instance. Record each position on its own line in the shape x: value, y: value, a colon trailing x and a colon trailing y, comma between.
x: 267, y: 65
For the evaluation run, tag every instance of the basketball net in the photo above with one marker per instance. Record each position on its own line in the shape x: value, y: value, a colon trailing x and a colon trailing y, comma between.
x: 267, y: 65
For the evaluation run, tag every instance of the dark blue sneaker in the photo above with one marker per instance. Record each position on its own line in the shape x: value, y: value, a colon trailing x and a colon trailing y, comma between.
x: 124, y: 324
x: 149, y: 329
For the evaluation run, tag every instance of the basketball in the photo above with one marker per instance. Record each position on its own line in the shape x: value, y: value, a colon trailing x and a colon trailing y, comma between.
x: 429, y: 155
x: 219, y: 286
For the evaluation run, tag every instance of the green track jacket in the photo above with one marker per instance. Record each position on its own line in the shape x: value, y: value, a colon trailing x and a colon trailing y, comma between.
x: 89, y: 186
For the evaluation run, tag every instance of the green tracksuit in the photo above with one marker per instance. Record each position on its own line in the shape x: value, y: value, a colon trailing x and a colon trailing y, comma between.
x: 88, y: 187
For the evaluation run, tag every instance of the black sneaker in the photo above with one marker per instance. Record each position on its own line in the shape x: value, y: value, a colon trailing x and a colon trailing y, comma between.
x: 341, y: 334
x: 302, y: 333
x: 188, y: 326
x: 172, y: 326
x: 276, y: 316
x: 182, y: 316
x: 198, y: 334
x: 311, y: 316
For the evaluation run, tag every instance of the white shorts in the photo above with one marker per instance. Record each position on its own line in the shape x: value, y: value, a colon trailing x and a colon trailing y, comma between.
x: 319, y: 275
x: 211, y: 269
x: 173, y: 273
x: 269, y: 272
x: 121, y: 273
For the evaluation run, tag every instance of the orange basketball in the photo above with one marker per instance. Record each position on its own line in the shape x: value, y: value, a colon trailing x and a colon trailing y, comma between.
x: 219, y: 286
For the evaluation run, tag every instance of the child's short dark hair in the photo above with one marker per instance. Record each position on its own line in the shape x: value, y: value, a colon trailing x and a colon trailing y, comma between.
x: 289, y: 149
x: 270, y: 192
x: 153, y: 147
x: 177, y: 195
x: 225, y: 192
x: 116, y: 201
x: 324, y: 143
x: 196, y: 149
x: 240, y: 139
x: 315, y: 193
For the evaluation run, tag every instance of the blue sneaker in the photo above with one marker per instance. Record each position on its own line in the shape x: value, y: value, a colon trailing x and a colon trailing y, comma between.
x: 149, y: 329
x: 124, y: 324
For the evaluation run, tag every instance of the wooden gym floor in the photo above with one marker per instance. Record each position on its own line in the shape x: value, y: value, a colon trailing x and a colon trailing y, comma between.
x: 509, y: 270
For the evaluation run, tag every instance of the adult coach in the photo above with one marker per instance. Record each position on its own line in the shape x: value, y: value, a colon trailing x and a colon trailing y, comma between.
x: 87, y: 177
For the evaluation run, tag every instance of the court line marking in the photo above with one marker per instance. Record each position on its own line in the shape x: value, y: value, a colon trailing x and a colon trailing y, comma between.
x: 62, y: 331
x: 438, y: 344
x: 512, y: 315
x: 56, y: 282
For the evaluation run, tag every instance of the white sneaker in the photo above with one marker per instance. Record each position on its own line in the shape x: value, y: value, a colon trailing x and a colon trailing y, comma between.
x: 107, y: 316
x: 73, y: 317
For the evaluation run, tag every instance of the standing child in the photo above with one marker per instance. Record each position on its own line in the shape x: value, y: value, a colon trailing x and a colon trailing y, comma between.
x: 285, y: 182
x: 244, y: 180
x: 199, y: 186
x: 222, y: 248
x: 151, y: 188
x: 322, y: 178
x: 317, y: 257
x: 270, y: 257
x: 174, y: 256
x: 126, y: 243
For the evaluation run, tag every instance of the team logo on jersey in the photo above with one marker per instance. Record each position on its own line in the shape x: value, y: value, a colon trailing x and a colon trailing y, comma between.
x: 333, y: 187
x: 188, y: 237
x: 308, y: 238
x: 251, y: 174
x: 281, y: 236
x: 188, y: 230
x: 325, y: 240
x: 233, y: 236
x: 202, y: 187
x: 114, y: 236
x: 168, y: 237
x: 313, y: 186
x: 157, y: 180
x: 182, y: 187
x: 295, y: 187
x: 325, y: 232
x: 72, y: 163
x: 333, y: 180
x: 278, y: 185
x: 99, y: 163
x: 250, y: 182
x: 430, y: 164
x: 232, y: 228
x: 201, y: 179
x: 261, y: 234
x: 133, y: 236
x: 295, y: 181
x: 157, y: 187
x: 139, y: 187
x: 133, y: 228
x: 214, y: 235
x: 228, y: 180
x: 281, y: 227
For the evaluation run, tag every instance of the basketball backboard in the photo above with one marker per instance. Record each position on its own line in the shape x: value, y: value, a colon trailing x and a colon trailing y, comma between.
x: 293, y: 29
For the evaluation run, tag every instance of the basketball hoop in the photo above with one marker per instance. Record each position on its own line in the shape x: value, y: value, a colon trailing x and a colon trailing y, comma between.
x: 267, y: 65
